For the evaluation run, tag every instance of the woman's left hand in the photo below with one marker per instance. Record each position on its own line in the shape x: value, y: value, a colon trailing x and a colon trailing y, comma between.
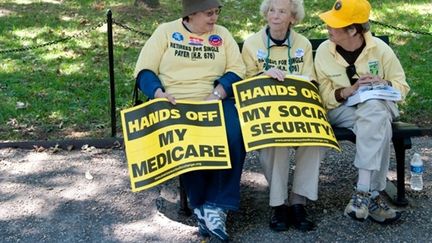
x: 212, y: 97
x: 220, y: 90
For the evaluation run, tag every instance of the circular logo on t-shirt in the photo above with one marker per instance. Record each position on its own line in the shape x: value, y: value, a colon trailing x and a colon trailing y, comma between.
x: 177, y: 36
x: 338, y: 5
x: 215, y: 40
x: 261, y: 54
x: 299, y: 52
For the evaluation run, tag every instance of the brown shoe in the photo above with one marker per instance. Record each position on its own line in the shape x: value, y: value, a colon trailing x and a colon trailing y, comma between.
x: 297, y: 216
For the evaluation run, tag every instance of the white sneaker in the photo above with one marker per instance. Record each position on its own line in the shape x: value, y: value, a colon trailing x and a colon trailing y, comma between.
x: 202, y: 228
x: 357, y: 207
x: 212, y: 220
x: 381, y: 213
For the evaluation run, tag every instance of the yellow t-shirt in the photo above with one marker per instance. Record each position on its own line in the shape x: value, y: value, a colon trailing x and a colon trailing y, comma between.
x: 260, y: 53
x: 377, y: 57
x: 188, y: 64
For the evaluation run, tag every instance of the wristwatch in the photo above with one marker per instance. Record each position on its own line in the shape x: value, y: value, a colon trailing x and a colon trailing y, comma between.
x: 216, y: 93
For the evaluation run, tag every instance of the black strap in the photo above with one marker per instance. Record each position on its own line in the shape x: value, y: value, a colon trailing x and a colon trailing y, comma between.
x: 135, y: 96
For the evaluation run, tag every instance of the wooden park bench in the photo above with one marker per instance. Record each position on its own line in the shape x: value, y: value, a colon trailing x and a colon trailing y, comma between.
x: 402, y: 134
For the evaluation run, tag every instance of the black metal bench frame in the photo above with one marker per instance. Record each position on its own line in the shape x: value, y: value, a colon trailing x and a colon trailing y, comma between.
x: 402, y: 134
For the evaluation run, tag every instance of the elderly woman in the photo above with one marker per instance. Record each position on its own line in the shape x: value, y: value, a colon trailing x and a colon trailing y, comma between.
x: 350, y: 59
x: 277, y: 50
x: 193, y: 58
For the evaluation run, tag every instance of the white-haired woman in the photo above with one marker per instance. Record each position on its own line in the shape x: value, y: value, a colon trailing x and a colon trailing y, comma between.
x: 277, y: 50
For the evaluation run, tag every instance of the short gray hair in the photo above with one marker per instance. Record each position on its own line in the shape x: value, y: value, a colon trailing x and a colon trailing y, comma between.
x: 360, y: 28
x: 295, y: 6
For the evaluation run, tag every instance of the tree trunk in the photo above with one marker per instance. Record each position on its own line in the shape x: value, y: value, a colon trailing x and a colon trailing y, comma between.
x: 148, y: 3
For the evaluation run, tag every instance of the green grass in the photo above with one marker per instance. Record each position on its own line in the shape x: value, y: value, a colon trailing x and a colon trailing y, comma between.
x: 65, y: 86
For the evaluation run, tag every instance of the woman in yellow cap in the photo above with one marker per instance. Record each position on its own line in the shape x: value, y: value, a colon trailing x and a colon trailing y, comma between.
x: 193, y: 58
x: 351, y: 59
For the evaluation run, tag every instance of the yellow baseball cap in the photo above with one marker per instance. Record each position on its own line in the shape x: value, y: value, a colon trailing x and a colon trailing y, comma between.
x: 347, y: 12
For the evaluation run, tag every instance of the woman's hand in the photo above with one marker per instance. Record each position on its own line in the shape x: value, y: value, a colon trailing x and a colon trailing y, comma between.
x: 160, y: 94
x: 348, y: 91
x: 372, y: 80
x: 276, y: 74
x: 212, y: 97
x: 220, y: 91
x: 364, y: 80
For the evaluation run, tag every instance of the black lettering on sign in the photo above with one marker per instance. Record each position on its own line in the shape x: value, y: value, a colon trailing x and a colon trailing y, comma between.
x: 168, y: 137
x: 255, y: 113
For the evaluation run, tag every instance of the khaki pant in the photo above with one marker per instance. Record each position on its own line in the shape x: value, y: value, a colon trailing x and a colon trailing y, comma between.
x: 275, y: 162
x: 371, y: 122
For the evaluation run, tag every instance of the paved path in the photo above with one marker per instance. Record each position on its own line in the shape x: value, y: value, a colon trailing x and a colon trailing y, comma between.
x: 84, y: 196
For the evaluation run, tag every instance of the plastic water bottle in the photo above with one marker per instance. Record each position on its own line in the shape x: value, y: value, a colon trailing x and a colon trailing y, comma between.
x: 416, y: 172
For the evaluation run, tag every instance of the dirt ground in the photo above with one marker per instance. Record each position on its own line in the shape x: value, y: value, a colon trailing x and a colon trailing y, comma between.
x: 84, y: 195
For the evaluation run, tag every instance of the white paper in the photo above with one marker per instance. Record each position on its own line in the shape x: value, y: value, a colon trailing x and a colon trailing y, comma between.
x: 380, y: 92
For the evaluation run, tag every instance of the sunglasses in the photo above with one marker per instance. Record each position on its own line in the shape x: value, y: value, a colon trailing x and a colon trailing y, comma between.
x: 351, y: 72
x: 210, y: 13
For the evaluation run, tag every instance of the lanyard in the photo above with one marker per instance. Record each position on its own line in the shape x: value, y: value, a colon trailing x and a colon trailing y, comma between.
x: 289, y: 52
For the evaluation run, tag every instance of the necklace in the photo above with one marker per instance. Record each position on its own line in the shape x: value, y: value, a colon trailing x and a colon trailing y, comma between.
x: 290, y: 68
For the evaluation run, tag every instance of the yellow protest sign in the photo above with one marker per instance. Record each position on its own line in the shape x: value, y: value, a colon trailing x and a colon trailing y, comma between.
x: 288, y: 113
x: 164, y: 140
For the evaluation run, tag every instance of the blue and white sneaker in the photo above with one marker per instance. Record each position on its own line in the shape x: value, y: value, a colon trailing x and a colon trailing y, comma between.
x: 202, y: 228
x: 357, y: 207
x: 380, y: 212
x: 212, y: 220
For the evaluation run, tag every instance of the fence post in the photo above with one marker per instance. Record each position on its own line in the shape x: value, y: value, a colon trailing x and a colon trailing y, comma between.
x: 111, y: 72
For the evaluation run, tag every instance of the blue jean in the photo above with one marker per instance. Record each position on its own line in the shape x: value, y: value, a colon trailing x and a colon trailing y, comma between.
x: 220, y: 188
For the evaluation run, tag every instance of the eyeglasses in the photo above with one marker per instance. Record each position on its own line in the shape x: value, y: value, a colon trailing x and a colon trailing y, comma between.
x: 350, y: 72
x: 210, y: 13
